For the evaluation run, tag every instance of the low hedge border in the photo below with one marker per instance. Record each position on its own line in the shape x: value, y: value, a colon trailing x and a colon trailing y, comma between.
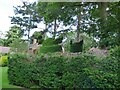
x: 50, y: 49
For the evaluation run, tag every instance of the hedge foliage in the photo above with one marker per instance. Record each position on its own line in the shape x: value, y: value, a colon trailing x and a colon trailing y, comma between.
x: 19, y: 71
x: 51, y: 45
x: 48, y: 42
x: 50, y: 49
x: 63, y: 71
x: 4, y: 60
x: 76, y: 46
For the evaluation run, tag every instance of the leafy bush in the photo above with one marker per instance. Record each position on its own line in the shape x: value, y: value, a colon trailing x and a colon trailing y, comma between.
x: 53, y: 48
x: 63, y: 71
x: 115, y: 54
x: 115, y: 51
x: 3, y: 61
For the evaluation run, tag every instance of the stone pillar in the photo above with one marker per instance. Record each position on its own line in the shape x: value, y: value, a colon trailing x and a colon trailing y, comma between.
x: 34, y: 41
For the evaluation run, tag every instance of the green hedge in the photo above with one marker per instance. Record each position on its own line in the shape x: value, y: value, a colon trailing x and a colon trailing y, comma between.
x: 48, y: 42
x: 50, y: 49
x: 76, y: 47
x: 19, y: 70
x: 51, y: 45
x: 63, y: 71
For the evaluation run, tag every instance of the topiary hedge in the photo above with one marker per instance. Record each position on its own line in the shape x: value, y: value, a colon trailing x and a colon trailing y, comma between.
x: 48, y: 42
x: 63, y: 71
x: 76, y: 46
x: 51, y: 45
x: 50, y: 49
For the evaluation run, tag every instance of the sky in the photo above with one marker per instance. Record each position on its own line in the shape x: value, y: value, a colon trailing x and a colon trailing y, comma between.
x: 6, y: 10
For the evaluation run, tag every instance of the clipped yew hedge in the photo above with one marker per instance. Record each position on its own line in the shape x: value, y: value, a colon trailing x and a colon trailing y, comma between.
x: 51, y: 45
x: 48, y: 42
x: 63, y: 71
x: 76, y: 46
x: 50, y: 49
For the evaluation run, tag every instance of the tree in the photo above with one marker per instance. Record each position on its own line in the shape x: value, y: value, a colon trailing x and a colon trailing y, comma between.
x: 1, y: 40
x: 99, y: 20
x: 39, y: 36
x: 15, y: 32
x: 19, y: 45
x: 50, y: 13
x: 103, y: 23
x: 26, y: 17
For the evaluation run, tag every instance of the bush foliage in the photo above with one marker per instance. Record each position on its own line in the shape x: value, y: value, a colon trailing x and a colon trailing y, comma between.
x: 48, y: 42
x: 50, y: 49
x: 51, y: 45
x: 63, y: 71
x: 76, y: 46
x: 4, y: 60
x: 19, y: 46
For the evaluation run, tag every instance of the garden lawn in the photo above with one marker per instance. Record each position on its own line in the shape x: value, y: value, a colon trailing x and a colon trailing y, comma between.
x: 4, y: 83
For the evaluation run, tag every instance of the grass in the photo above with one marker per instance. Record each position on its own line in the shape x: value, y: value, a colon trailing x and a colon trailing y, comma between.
x: 4, y: 83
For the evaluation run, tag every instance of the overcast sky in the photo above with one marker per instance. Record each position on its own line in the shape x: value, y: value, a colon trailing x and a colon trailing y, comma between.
x: 6, y: 10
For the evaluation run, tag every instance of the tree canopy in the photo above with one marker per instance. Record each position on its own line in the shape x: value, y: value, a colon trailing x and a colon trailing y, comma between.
x: 100, y: 20
x: 14, y: 33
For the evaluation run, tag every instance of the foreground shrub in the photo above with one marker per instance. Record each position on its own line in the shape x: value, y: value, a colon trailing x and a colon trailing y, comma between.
x: 3, y: 61
x: 63, y: 71
x: 115, y: 52
x: 19, y: 71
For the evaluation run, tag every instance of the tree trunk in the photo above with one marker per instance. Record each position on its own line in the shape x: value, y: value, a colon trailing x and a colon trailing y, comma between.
x: 55, y: 27
x: 79, y: 17
x: 78, y: 26
x: 103, y: 13
x: 103, y: 17
x: 45, y: 30
x: 29, y: 28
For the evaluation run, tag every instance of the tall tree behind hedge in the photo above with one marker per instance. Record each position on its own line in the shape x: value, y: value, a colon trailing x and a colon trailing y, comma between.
x: 15, y: 32
x: 104, y: 23
x: 51, y: 12
x: 26, y: 17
